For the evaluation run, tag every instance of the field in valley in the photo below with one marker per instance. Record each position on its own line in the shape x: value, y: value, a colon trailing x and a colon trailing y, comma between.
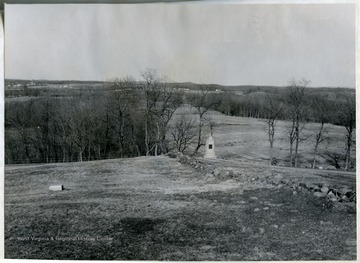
x: 245, y: 139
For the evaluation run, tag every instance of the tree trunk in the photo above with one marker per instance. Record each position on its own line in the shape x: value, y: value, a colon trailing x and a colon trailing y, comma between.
x: 315, y: 154
x: 80, y: 156
x: 271, y: 132
x: 296, y: 151
x: 47, y: 152
x: 89, y: 152
x: 291, y: 153
x: 199, y: 144
x: 348, y: 149
x: 318, y: 141
x: 122, y: 135
x: 157, y: 138
x: 99, y: 152
x: 297, y: 134
x: 64, y: 153
x: 271, y: 152
x: 146, y: 138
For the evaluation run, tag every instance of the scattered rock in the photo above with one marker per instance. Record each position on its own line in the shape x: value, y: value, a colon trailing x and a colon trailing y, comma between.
x: 324, y: 189
x: 344, y: 190
x: 262, y: 230
x: 216, y: 172
x: 285, y: 181
x: 277, y: 179
x: 303, y: 185
x: 209, y: 177
x: 256, y: 209
x: 331, y: 196
x: 349, y: 194
x: 344, y: 198
x: 319, y: 194
x: 313, y: 187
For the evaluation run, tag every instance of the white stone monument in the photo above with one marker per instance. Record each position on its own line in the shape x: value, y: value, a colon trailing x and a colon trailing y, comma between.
x: 56, y: 187
x: 210, y: 148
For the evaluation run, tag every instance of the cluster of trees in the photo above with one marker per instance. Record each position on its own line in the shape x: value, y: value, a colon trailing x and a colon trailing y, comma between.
x: 299, y: 109
x: 126, y: 118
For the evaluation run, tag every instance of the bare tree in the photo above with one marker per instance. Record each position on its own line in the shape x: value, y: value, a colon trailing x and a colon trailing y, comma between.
x: 212, y: 124
x: 273, y: 112
x: 297, y: 115
x: 122, y: 100
x: 347, y: 118
x: 321, y: 115
x: 162, y: 100
x: 83, y: 124
x: 169, y: 102
x: 152, y: 95
x: 183, y: 132
x: 203, y: 102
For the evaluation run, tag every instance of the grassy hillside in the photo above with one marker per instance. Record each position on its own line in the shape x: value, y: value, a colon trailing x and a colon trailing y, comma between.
x: 157, y: 208
x: 246, y: 139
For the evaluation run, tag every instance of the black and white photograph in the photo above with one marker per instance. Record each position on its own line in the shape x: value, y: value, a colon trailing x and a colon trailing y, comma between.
x: 180, y: 131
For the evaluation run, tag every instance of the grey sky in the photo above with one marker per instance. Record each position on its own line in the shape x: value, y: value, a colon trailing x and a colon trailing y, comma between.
x: 199, y: 42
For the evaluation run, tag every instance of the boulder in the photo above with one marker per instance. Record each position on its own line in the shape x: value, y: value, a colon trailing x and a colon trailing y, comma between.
x: 278, y: 177
x: 331, y: 196
x: 319, y: 194
x: 303, y: 185
x: 216, y: 172
x: 349, y: 194
x: 285, y: 181
x: 313, y: 187
x: 324, y: 189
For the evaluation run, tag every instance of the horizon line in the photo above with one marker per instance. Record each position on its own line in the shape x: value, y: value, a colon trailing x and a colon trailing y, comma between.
x: 177, y: 82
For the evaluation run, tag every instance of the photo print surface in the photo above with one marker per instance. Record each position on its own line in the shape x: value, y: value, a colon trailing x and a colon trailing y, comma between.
x: 180, y: 131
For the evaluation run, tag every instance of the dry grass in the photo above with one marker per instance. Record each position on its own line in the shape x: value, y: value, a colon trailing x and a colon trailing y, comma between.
x: 159, y: 209
x: 246, y: 139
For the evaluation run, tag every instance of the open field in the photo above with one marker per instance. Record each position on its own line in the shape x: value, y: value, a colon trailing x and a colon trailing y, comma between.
x: 238, y: 138
x: 158, y: 208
